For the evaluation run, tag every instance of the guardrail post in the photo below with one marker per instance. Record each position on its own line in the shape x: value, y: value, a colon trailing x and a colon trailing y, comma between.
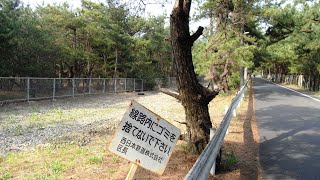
x: 225, y: 112
x: 213, y: 169
x: 28, y: 89
x: 239, y: 105
x: 54, y: 88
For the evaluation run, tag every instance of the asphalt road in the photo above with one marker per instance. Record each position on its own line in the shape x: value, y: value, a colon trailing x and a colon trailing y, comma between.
x: 289, y: 128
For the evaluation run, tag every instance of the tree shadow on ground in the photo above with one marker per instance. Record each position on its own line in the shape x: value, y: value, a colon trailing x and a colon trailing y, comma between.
x: 178, y: 166
x: 240, y: 156
x: 289, y: 134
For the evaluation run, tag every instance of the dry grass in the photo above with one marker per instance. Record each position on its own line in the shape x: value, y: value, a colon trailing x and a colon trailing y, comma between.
x: 62, y: 160
x: 301, y: 88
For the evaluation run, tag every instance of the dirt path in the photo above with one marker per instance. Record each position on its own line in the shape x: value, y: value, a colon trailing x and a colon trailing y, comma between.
x: 249, y: 168
x: 241, y: 146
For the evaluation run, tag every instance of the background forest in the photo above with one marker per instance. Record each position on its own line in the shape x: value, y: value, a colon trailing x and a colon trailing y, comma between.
x: 109, y: 40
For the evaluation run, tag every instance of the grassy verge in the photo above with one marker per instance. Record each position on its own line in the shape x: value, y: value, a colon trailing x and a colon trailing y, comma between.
x: 57, y: 115
x: 62, y: 159
x: 300, y: 88
x: 59, y: 161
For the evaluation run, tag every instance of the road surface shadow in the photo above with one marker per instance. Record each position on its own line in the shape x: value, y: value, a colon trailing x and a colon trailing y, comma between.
x: 289, y: 129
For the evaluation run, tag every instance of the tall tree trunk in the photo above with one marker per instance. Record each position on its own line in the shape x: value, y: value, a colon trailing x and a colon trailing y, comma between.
x: 116, y: 65
x: 211, y: 19
x: 105, y: 63
x: 194, y: 97
x: 224, y: 77
x: 76, y: 62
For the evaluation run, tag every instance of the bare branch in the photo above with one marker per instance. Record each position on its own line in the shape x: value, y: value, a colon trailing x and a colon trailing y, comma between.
x: 171, y: 93
x: 181, y: 122
x: 197, y: 34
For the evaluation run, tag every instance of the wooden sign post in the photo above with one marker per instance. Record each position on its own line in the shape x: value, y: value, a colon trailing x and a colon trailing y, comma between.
x: 132, y: 171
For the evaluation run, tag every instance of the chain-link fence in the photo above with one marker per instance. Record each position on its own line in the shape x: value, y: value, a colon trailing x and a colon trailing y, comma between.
x: 25, y: 89
x: 171, y: 82
x: 168, y: 82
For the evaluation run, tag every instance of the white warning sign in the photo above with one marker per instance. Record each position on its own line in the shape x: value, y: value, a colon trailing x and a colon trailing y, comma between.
x: 145, y: 138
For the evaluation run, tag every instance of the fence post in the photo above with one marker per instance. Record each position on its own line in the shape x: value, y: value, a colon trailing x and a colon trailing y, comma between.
x: 54, y: 88
x: 72, y: 87
x: 134, y: 85
x: 104, y: 86
x: 142, y: 85
x: 28, y: 89
x: 115, y: 85
x: 90, y: 86
x: 213, y: 169
x: 125, y: 85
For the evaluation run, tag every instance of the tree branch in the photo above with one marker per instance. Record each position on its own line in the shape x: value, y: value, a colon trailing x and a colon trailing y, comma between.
x: 306, y: 30
x: 170, y: 93
x: 196, y: 35
x: 208, y: 95
x: 225, y: 69
x: 181, y: 122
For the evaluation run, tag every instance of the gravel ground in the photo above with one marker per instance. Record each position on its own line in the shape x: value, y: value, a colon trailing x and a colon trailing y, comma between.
x: 29, y: 137
x: 81, y: 118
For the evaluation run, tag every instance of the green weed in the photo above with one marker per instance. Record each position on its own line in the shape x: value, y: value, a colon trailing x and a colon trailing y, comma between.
x: 56, y: 167
x: 231, y: 160
x: 17, y: 130
x: 6, y: 175
x: 96, y: 159
x: 45, y: 177
x: 115, y: 159
x: 186, y: 147
x: 34, y: 117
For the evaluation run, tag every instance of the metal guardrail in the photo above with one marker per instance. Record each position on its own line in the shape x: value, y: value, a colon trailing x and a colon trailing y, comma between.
x: 207, y: 158
x: 26, y: 88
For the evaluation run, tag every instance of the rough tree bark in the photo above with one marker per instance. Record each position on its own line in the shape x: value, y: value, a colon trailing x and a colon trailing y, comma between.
x: 193, y: 96
x: 224, y: 77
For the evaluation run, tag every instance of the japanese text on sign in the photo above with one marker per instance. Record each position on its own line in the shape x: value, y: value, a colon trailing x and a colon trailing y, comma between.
x: 145, y: 138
